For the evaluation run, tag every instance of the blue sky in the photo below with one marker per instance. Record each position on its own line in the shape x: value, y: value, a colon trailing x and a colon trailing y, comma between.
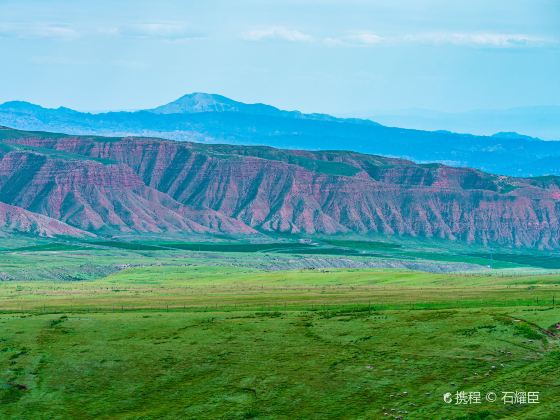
x: 347, y: 57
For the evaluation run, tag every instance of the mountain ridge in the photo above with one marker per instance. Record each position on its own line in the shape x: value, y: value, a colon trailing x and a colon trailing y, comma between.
x: 134, y: 184
x: 215, y: 119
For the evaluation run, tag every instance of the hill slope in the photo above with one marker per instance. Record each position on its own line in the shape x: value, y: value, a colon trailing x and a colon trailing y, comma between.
x: 143, y: 184
x: 215, y: 119
x: 17, y: 220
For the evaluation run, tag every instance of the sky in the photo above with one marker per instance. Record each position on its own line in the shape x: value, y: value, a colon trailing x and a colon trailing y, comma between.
x: 348, y: 58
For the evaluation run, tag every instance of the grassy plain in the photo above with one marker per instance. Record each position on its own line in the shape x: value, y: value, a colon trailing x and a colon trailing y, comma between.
x: 95, y: 331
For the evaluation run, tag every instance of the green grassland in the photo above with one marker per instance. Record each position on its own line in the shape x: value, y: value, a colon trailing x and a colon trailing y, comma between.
x: 24, y: 258
x: 146, y: 329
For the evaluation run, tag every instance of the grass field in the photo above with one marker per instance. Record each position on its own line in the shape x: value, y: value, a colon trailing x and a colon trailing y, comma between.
x: 185, y: 333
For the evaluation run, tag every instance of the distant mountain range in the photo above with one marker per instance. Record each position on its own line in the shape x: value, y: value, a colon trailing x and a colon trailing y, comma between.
x: 207, y: 118
x: 56, y: 184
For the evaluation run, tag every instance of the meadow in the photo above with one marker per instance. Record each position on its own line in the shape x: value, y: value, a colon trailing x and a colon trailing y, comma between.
x: 182, y: 333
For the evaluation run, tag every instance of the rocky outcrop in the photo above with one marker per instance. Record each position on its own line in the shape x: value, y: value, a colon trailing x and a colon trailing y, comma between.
x: 142, y: 184
x: 98, y: 196
x: 16, y: 219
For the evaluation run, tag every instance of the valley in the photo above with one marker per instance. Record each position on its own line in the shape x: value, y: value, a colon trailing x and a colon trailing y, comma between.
x: 147, y: 325
x: 149, y: 278
x: 152, y: 329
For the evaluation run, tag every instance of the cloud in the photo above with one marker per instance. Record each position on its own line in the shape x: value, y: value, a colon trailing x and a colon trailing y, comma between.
x: 363, y: 38
x: 172, y: 31
x: 366, y: 38
x: 474, y: 39
x: 168, y: 31
x: 38, y: 30
x: 487, y: 39
x: 277, y: 33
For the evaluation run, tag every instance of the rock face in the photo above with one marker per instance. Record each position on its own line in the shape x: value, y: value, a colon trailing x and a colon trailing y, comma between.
x: 16, y: 219
x: 141, y: 184
x: 99, y: 196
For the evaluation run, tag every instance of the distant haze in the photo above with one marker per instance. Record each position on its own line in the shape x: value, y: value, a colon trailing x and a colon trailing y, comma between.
x: 536, y: 121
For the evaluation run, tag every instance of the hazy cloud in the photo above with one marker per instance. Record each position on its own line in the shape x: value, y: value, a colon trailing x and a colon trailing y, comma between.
x: 38, y: 30
x: 366, y: 38
x: 489, y: 39
x: 480, y: 39
x: 158, y: 30
x: 277, y: 33
x: 363, y: 38
x: 171, y: 31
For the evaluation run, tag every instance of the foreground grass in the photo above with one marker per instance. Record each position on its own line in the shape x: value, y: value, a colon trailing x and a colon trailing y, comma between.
x: 292, y: 364
x: 233, y: 342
